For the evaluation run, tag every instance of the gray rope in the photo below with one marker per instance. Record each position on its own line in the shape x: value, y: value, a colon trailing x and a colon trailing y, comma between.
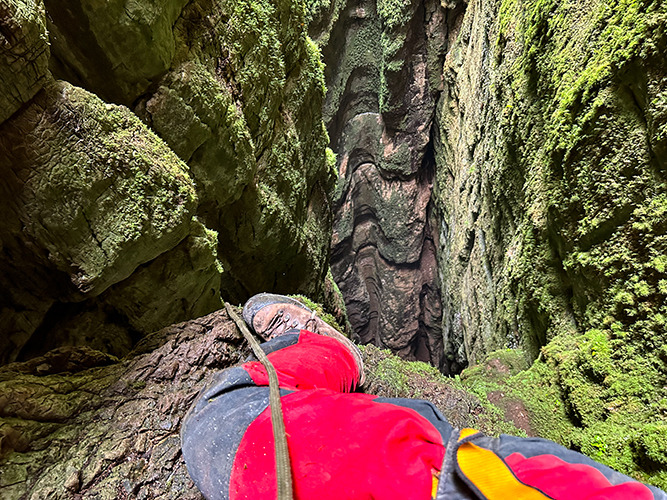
x: 283, y: 469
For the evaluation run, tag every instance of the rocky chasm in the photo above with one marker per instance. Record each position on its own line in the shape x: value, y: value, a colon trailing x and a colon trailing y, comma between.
x: 520, y: 146
x: 484, y: 181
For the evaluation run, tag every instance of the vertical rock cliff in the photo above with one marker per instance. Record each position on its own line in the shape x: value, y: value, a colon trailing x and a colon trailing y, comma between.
x: 551, y: 173
x: 502, y: 184
x: 383, y: 73
x: 551, y: 185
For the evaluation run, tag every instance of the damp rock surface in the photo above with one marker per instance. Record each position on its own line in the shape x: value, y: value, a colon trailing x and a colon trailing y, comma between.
x: 550, y: 189
x: 155, y: 157
x: 76, y: 423
x: 383, y: 66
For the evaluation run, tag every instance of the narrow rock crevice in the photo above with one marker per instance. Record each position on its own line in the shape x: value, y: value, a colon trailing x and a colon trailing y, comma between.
x: 384, y: 78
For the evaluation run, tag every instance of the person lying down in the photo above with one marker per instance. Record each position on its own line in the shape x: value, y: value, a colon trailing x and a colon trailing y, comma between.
x: 346, y: 445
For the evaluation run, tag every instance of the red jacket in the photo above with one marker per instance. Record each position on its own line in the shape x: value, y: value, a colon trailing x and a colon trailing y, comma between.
x: 345, y: 445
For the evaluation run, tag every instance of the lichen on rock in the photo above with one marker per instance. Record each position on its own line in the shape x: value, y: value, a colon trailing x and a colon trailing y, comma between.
x: 383, y: 63
x: 226, y: 169
x: 89, y: 194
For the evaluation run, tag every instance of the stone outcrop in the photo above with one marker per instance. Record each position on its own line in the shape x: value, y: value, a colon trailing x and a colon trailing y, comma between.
x: 383, y: 63
x: 89, y: 194
x: 155, y: 158
x: 25, y: 48
x: 77, y: 423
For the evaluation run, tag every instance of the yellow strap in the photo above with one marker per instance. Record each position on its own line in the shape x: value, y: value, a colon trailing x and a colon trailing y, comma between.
x: 489, y: 473
x: 434, y: 487
x: 464, y: 433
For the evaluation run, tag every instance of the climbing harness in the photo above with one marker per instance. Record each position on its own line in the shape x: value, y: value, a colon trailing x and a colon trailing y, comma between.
x: 283, y: 468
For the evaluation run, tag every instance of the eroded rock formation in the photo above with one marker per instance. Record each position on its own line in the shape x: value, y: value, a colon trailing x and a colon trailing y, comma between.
x: 76, y: 423
x: 383, y: 73
x: 80, y: 424
x: 152, y: 158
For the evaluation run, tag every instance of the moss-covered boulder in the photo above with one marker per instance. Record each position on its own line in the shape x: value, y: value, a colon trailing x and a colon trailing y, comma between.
x: 89, y: 182
x: 113, y: 48
x: 197, y: 115
x: 242, y: 105
x: 108, y: 222
x: 89, y: 194
x: 189, y: 277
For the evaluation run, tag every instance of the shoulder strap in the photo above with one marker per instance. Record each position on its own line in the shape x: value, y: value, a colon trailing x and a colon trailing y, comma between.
x: 472, y: 471
x: 488, y: 473
x: 283, y: 469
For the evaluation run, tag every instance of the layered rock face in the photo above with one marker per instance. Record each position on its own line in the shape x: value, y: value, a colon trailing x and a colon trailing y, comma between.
x: 383, y: 63
x: 154, y: 158
x: 551, y: 187
x: 539, y: 191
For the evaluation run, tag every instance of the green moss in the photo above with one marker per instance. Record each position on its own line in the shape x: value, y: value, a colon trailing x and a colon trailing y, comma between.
x: 394, y: 13
x: 319, y: 309
x: 464, y: 404
x: 573, y: 162
x: 398, y: 162
x: 505, y: 378
x: 361, y: 51
x: 595, y: 226
x: 115, y: 195
x: 25, y: 70
x: 250, y: 86
x: 332, y: 161
x: 13, y: 474
x: 651, y: 444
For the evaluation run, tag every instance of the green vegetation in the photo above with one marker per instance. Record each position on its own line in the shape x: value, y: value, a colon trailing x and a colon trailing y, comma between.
x: 117, y: 196
x: 389, y: 376
x: 394, y: 15
x: 319, y: 309
x: 361, y: 52
x: 582, y: 78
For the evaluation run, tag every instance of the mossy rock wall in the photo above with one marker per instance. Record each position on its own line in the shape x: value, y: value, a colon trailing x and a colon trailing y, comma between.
x: 25, y: 51
x: 551, y: 187
x: 155, y: 157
